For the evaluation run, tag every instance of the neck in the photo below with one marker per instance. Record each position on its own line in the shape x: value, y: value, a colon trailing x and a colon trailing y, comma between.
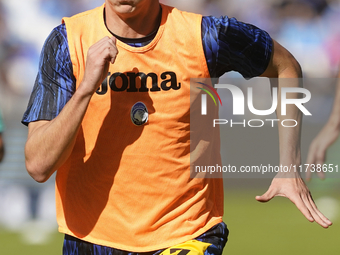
x: 134, y: 21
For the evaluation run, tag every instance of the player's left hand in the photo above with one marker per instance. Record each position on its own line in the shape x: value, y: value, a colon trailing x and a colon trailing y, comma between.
x: 318, y: 148
x: 296, y: 191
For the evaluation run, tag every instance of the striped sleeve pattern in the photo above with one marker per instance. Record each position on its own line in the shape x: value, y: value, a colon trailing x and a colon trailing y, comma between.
x: 230, y: 45
x: 55, y: 82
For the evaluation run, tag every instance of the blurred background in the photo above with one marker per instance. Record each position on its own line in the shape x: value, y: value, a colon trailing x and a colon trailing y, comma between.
x: 309, y: 29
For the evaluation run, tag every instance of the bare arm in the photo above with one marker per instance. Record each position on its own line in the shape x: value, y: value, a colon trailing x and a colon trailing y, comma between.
x: 288, y: 71
x: 50, y: 143
x: 290, y: 185
x: 327, y: 136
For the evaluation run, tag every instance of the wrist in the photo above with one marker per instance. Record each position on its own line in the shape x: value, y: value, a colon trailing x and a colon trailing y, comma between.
x: 84, y: 91
x: 334, y: 121
x: 291, y: 170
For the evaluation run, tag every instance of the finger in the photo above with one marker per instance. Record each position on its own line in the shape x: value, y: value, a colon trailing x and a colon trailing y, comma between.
x: 308, y: 201
x: 308, y: 173
x: 113, y: 48
x: 99, y: 44
x: 321, y: 175
x: 310, y: 160
x: 111, y: 54
x: 302, y: 207
x: 311, y: 154
x: 114, y: 40
x: 320, y: 157
x: 109, y: 51
x: 323, y: 219
x: 316, y: 156
x: 320, y: 160
x: 266, y: 196
x: 103, y: 44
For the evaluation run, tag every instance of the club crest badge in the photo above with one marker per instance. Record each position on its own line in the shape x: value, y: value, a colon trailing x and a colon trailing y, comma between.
x: 139, y: 114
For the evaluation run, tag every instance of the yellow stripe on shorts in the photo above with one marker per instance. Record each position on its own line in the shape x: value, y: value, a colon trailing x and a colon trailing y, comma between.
x: 192, y: 247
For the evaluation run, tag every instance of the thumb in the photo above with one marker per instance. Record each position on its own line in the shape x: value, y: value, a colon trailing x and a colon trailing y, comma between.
x: 265, y: 197
x: 114, y: 55
x: 114, y: 39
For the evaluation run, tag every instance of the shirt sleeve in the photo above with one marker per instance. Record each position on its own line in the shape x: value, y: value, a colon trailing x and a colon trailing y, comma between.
x: 55, y: 83
x: 230, y: 45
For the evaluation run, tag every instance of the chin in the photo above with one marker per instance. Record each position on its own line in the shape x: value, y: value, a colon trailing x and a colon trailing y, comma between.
x: 125, y: 9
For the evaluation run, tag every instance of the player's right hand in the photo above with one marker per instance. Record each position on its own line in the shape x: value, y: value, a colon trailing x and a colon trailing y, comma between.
x: 99, y: 57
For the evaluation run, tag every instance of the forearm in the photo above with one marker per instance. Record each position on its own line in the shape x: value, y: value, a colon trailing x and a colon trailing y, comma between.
x: 284, y: 67
x: 288, y: 73
x: 50, y: 143
x: 326, y: 137
x: 290, y: 134
x: 334, y: 119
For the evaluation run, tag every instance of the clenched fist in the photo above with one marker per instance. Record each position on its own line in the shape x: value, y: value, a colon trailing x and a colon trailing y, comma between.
x: 99, y: 57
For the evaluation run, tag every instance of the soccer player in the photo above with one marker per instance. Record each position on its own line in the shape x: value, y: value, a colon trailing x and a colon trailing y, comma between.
x: 326, y: 137
x: 2, y: 146
x: 109, y: 113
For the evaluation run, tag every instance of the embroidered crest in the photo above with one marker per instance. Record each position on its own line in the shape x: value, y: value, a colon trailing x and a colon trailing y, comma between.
x: 139, y: 114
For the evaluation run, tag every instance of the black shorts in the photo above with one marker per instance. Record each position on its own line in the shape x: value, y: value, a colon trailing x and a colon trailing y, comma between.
x: 211, y: 242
